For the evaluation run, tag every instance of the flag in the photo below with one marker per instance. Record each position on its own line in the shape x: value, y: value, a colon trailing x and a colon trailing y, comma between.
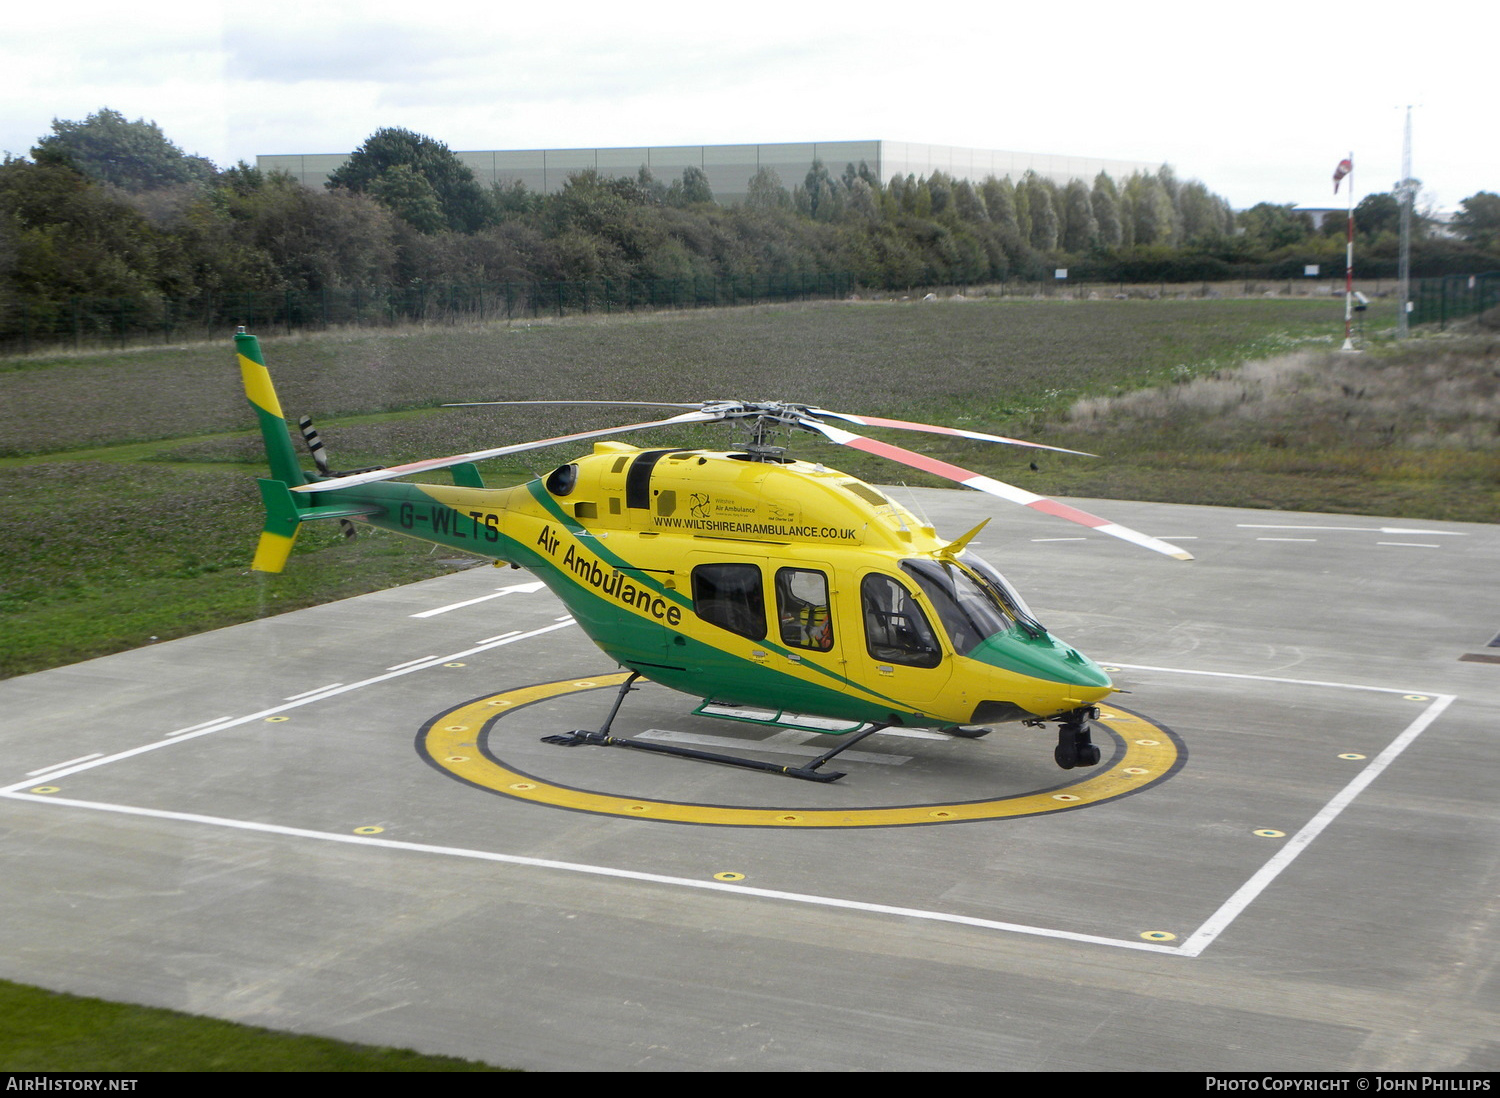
x: 1344, y: 168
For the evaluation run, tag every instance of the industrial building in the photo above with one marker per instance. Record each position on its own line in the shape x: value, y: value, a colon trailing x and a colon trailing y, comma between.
x: 730, y: 168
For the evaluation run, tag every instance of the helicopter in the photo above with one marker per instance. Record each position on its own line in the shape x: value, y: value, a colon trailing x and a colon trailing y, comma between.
x: 777, y: 591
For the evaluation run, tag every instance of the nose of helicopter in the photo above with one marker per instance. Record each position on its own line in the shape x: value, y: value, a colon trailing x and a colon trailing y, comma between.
x: 1069, y: 675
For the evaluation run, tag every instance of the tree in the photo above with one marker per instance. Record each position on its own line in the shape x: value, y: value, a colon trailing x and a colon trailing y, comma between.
x: 1021, y: 195
x: 1106, y: 204
x: 69, y: 237
x: 1000, y: 201
x: 407, y: 193
x: 864, y: 171
x: 134, y: 156
x: 1375, y: 214
x: 968, y: 203
x: 765, y: 192
x: 1478, y: 221
x: 691, y: 189
x: 459, y: 197
x: 1205, y: 217
x: 1045, y: 223
x: 513, y: 200
x: 863, y: 203
x: 1151, y: 210
x: 316, y: 240
x: 1082, y: 225
x: 824, y: 200
x: 940, y: 186
x: 1269, y: 227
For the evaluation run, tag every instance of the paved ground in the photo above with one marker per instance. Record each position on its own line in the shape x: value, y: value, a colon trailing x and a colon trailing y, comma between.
x: 245, y: 824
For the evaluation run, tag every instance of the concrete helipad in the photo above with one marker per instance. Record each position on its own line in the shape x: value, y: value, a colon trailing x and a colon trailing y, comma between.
x: 342, y: 821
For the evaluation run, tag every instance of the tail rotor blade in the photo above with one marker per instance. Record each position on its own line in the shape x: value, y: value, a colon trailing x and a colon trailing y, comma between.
x: 314, y: 444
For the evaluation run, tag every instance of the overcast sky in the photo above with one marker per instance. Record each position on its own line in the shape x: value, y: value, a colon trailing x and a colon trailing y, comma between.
x: 1260, y: 101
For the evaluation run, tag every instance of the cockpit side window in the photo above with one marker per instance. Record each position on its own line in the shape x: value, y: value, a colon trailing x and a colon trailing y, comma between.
x: 732, y: 597
x: 896, y: 629
x: 802, y: 609
x: 998, y: 588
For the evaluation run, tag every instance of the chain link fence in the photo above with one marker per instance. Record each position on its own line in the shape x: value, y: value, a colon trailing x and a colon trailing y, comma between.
x: 1439, y: 300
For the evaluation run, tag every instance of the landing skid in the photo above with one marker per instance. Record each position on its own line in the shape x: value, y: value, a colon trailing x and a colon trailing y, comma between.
x: 602, y: 738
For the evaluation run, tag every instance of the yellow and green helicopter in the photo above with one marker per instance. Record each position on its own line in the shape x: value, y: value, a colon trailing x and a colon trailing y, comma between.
x: 776, y: 591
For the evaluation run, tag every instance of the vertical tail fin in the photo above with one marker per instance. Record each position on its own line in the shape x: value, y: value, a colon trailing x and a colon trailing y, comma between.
x: 273, y: 426
x: 285, y: 511
x: 282, y: 514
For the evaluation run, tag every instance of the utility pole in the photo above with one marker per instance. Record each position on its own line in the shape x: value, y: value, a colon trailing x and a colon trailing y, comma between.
x: 1407, y: 192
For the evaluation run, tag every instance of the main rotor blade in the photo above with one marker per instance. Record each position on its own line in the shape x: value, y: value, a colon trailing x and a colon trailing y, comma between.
x: 566, y: 403
x: 993, y: 487
x: 429, y: 464
x: 932, y: 428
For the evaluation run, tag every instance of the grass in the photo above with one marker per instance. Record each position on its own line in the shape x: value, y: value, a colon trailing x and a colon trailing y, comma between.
x: 45, y: 1031
x: 1404, y: 429
x: 105, y: 556
x: 983, y: 359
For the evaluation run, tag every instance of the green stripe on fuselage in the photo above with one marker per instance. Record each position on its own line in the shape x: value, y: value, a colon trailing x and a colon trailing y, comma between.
x: 635, y: 638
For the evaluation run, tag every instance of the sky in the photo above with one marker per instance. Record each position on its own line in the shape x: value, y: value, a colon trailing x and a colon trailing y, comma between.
x: 1258, y: 101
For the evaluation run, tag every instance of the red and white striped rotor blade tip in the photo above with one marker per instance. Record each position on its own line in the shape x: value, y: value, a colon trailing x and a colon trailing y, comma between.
x: 989, y: 485
x: 934, y: 429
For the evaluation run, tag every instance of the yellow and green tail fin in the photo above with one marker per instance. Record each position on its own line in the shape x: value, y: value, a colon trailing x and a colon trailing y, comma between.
x: 285, y: 512
x: 282, y: 514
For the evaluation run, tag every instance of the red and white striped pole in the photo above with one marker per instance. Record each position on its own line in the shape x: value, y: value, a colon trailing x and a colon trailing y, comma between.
x: 1346, y: 167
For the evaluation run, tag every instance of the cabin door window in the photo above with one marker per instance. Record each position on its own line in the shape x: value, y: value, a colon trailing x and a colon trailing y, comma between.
x: 802, y: 609
x: 731, y: 596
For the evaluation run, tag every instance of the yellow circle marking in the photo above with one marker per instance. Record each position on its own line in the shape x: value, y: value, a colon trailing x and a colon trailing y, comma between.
x: 729, y: 876
x: 277, y: 720
x: 1271, y: 833
x: 1159, y: 936
x: 453, y: 665
x: 1416, y: 697
x: 368, y: 830
x: 1352, y: 756
x: 1160, y: 756
x: 47, y: 789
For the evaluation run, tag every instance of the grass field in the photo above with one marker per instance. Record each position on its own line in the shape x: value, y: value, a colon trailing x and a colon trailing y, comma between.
x: 127, y: 478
